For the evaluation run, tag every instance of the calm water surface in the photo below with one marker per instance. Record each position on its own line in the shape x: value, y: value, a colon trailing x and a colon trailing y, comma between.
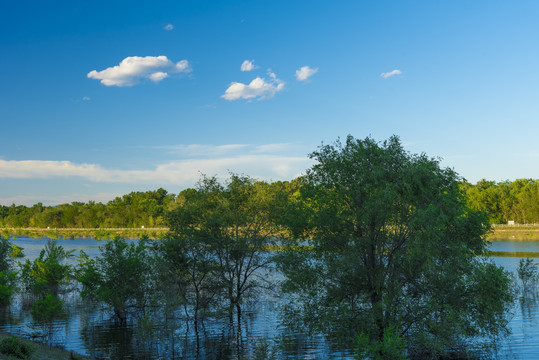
x: 90, y: 330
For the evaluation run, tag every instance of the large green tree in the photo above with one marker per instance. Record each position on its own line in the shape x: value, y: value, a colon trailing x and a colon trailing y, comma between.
x: 385, y: 244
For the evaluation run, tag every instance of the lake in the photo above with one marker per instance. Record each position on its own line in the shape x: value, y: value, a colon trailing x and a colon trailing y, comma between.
x: 89, y: 330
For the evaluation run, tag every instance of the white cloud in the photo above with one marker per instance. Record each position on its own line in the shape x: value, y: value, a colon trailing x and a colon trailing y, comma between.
x: 273, y: 148
x: 183, y: 172
x: 158, y: 76
x: 305, y: 72
x: 391, y: 73
x: 86, y: 98
x: 258, y: 88
x: 248, y: 65
x: 133, y: 68
x: 51, y: 200
x: 168, y: 27
x: 197, y: 150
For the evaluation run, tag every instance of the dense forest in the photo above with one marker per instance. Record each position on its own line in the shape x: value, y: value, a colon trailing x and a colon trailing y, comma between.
x: 505, y: 201
x: 517, y: 201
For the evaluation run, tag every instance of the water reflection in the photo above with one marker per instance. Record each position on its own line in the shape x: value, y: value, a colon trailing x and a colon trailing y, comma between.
x: 89, y: 329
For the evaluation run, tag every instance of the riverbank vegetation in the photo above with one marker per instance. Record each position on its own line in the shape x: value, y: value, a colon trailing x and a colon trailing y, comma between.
x: 516, y: 201
x: 17, y: 348
x: 378, y: 247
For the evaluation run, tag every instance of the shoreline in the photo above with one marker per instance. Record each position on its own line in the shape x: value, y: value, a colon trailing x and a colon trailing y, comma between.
x: 527, y: 233
x: 517, y: 233
x: 43, y: 351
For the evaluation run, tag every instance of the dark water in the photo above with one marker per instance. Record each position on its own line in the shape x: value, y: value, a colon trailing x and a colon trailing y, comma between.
x: 91, y: 331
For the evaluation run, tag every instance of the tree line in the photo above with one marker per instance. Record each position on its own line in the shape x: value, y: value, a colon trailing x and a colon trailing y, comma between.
x: 378, y: 248
x: 135, y: 209
x: 503, y: 201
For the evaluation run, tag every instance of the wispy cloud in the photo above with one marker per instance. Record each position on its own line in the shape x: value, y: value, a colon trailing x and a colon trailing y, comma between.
x: 386, y: 75
x: 86, y: 98
x: 248, y: 65
x: 168, y: 27
x: 258, y: 88
x: 48, y: 200
x: 183, y: 173
x: 133, y: 68
x: 202, y: 150
x: 272, y: 148
x: 305, y: 72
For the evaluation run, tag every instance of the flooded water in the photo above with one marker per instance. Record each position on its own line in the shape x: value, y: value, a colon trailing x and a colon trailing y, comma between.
x: 90, y: 330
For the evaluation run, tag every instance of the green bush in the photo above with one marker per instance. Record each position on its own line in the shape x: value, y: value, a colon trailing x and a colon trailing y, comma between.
x: 15, y: 347
x: 16, y: 251
x: 8, y: 286
x: 391, y: 347
x: 49, y: 308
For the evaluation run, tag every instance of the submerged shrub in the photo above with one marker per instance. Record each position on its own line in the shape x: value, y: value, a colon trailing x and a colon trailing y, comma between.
x: 527, y: 273
x: 391, y: 347
x: 8, y: 277
x: 49, y: 308
x: 8, y: 280
x: 16, y: 251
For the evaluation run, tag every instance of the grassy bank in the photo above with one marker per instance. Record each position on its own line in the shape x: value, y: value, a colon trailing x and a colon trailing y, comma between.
x: 40, y: 351
x: 524, y: 233
x: 99, y: 234
x: 527, y: 233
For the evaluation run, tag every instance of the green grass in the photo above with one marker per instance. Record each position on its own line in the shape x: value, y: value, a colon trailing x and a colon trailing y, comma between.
x: 517, y: 254
x: 41, y: 351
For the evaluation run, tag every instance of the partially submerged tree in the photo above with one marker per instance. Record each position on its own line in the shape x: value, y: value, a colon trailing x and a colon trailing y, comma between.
x: 8, y: 276
x: 219, y: 241
x: 49, y: 273
x: 120, y: 277
x: 391, y: 245
x: 46, y: 278
x: 527, y: 273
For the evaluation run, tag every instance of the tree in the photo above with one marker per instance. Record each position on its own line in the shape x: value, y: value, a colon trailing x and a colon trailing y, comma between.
x: 8, y: 276
x: 527, y: 273
x: 225, y: 232
x: 119, y: 277
x: 49, y: 272
x: 391, y: 246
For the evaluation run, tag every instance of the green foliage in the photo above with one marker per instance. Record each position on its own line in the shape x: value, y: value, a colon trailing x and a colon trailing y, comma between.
x: 5, y: 259
x: 13, y: 346
x: 119, y: 277
x: 16, y: 251
x: 392, y: 246
x: 264, y: 351
x: 527, y: 273
x: 391, y: 347
x: 517, y: 200
x: 132, y: 210
x: 48, y: 272
x: 8, y: 286
x: 47, y: 309
x: 8, y: 277
x: 218, y: 240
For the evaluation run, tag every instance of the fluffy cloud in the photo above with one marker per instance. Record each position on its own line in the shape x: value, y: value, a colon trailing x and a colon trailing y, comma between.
x: 391, y: 73
x: 248, y: 65
x: 133, y: 68
x: 258, y: 88
x: 305, y: 72
x: 168, y: 27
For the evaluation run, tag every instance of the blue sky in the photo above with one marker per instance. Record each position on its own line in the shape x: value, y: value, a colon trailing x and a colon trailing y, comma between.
x: 98, y: 99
